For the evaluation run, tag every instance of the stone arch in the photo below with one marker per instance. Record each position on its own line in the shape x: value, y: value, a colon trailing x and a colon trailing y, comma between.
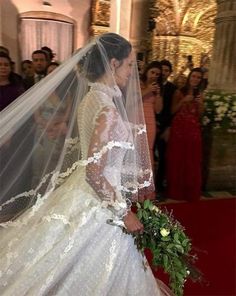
x: 47, y: 15
x: 183, y: 27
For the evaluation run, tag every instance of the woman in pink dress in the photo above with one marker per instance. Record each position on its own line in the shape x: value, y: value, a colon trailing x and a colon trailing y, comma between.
x: 152, y: 103
x: 184, y: 146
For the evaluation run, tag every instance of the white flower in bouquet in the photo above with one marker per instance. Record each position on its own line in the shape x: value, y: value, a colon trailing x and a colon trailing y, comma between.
x: 156, y: 209
x: 171, y: 248
x: 164, y: 232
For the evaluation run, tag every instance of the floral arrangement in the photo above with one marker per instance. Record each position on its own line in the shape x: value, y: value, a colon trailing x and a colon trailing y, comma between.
x: 169, y: 244
x: 220, y: 111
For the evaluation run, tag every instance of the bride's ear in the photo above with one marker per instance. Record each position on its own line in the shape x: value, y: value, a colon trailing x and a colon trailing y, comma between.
x: 114, y: 64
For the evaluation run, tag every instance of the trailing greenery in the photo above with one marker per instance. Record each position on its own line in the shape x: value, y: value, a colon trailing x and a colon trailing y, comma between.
x: 220, y: 111
x: 169, y: 244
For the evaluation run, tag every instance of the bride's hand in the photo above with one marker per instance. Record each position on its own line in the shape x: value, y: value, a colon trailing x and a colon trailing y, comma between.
x: 132, y: 223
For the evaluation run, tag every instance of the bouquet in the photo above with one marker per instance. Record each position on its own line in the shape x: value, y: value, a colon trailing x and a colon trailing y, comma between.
x: 170, y: 246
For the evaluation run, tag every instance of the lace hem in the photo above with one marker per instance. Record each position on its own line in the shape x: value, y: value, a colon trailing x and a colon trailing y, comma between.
x: 57, y: 178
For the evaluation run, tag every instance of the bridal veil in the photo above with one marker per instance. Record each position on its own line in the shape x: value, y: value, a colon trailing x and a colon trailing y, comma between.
x: 40, y: 143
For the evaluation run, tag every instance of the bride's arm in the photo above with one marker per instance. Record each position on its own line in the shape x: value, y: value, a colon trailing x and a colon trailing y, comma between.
x: 102, y: 142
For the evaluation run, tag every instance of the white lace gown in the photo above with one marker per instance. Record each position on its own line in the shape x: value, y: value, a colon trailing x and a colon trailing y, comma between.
x: 65, y: 246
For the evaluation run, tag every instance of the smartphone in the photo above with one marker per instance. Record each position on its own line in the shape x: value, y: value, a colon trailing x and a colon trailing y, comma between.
x: 140, y: 56
x: 196, y: 92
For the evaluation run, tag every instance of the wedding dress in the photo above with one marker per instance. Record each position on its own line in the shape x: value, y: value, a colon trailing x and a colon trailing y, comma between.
x: 66, y: 245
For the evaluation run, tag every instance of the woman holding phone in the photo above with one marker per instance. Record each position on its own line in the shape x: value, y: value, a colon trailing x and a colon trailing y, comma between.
x: 184, y: 146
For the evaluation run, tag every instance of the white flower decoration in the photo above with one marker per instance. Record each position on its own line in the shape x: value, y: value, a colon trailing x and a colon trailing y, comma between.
x: 215, y: 97
x: 217, y: 103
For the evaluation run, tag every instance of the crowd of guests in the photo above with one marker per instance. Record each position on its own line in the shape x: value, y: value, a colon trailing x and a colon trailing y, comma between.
x: 51, y: 117
x: 12, y: 84
x: 172, y: 113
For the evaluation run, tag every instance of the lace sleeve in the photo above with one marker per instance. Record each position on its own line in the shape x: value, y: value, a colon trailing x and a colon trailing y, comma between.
x: 103, y: 140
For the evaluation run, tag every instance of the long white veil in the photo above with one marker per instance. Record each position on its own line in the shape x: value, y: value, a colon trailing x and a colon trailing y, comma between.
x: 40, y: 134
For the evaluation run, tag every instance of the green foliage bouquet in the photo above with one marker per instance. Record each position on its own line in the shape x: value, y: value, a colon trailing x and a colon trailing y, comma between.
x: 169, y: 244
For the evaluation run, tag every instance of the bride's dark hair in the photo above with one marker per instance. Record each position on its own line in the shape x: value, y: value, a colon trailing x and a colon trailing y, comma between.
x: 109, y: 46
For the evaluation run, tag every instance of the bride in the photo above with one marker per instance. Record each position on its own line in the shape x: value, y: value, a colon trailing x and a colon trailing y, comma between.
x: 64, y: 236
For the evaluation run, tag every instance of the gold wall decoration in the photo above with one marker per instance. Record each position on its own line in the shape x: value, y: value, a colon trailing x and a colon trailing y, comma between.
x: 100, y: 21
x: 183, y: 27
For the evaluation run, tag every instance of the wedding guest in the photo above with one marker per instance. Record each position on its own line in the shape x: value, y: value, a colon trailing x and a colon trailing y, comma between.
x: 152, y: 101
x: 10, y: 87
x: 163, y: 121
x: 40, y: 63
x: 52, y: 66
x: 180, y: 81
x: 4, y: 50
x: 50, y: 54
x: 12, y: 153
x: 27, y: 69
x: 58, y: 106
x: 16, y: 77
x: 184, y: 145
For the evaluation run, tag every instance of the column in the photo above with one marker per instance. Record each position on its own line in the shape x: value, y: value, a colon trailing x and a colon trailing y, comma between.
x: 120, y: 17
x: 139, y: 25
x: 223, y: 64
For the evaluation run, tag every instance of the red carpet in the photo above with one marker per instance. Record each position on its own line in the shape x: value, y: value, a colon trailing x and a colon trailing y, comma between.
x: 212, y: 226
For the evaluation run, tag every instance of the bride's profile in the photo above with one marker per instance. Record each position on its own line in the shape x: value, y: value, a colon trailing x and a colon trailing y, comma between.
x: 63, y: 236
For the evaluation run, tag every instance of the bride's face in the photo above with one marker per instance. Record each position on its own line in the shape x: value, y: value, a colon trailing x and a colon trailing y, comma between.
x: 122, y: 70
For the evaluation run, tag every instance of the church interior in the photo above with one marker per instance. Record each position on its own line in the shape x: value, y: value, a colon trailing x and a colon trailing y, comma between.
x: 189, y: 34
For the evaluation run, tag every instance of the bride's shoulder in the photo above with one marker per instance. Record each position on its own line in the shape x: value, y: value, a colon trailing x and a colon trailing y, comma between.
x: 95, y: 102
x: 97, y: 99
